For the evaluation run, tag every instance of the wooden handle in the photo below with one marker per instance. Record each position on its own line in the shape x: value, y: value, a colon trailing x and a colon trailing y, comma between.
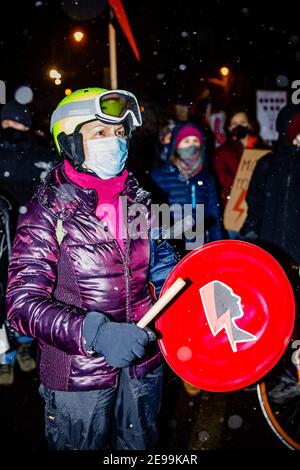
x: 162, y: 302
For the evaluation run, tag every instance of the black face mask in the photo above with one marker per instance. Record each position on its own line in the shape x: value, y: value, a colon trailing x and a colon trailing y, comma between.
x: 240, y: 132
x: 13, y: 135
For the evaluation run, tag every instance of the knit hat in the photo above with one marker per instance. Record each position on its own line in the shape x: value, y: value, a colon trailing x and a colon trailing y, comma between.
x: 17, y: 112
x: 188, y: 130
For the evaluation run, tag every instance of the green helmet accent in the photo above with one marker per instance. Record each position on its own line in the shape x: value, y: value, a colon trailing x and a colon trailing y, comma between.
x: 73, y: 110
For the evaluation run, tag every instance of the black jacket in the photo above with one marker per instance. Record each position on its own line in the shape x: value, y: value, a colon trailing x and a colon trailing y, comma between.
x: 274, y: 197
x: 23, y: 163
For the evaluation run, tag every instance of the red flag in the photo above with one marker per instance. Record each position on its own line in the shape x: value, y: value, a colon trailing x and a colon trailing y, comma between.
x: 124, y: 23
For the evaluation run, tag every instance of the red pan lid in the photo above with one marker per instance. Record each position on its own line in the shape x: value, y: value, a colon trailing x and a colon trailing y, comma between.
x: 231, y: 325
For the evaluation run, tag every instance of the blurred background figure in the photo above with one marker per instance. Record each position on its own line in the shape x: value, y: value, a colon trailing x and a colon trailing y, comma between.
x: 274, y: 194
x: 207, y: 111
x: 185, y: 179
x: 217, y: 121
x: 165, y: 136
x: 24, y: 162
x: 242, y: 133
x: 181, y: 112
x: 200, y: 113
x: 144, y: 151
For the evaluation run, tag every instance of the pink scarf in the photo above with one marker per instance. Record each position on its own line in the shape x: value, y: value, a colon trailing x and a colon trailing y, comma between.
x: 109, y: 205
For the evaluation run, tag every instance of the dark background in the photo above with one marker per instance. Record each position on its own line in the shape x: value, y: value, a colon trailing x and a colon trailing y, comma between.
x: 181, y: 43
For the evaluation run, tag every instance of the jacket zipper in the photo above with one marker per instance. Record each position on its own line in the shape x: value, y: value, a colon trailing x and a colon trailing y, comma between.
x: 193, y: 195
x: 128, y: 276
x: 127, y: 270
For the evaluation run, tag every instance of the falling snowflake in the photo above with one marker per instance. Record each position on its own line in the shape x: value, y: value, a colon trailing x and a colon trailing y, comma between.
x: 22, y: 210
x: 203, y: 436
x: 24, y: 94
x: 184, y: 353
x: 182, y: 67
x: 235, y: 422
x: 6, y: 174
x: 184, y: 34
x: 282, y: 81
x: 294, y: 39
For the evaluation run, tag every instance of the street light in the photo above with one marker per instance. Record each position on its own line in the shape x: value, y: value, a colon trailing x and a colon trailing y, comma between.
x: 54, y: 74
x: 78, y: 36
x: 224, y: 71
x: 68, y: 91
x: 224, y: 81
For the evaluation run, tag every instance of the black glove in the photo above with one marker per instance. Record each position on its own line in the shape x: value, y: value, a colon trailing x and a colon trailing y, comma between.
x: 120, y: 343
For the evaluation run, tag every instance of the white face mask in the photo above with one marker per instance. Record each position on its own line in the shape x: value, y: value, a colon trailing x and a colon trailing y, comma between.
x: 106, y: 156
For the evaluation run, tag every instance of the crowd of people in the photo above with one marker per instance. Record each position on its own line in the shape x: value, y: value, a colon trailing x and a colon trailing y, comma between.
x: 77, y: 286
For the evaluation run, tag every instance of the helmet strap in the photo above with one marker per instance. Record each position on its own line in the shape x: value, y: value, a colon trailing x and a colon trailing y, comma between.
x: 72, y: 148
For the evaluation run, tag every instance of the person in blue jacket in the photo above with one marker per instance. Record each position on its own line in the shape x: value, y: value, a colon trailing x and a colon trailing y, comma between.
x: 185, y: 179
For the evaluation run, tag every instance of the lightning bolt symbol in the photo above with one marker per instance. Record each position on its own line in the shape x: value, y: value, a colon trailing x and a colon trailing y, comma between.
x: 224, y: 321
x: 238, y: 205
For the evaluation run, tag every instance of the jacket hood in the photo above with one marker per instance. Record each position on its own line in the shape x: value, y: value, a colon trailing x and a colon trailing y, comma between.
x: 175, y: 132
x: 286, y: 124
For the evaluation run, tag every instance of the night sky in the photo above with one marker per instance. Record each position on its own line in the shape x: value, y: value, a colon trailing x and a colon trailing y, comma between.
x: 181, y: 44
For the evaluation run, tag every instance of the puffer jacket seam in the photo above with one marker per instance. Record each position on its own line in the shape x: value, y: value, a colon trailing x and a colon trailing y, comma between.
x: 79, y: 297
x: 73, y: 272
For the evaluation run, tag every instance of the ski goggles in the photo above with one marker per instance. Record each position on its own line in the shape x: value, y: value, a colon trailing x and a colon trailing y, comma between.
x: 111, y: 107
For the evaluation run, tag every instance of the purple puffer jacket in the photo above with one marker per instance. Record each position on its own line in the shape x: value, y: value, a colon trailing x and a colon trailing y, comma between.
x: 52, y: 286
